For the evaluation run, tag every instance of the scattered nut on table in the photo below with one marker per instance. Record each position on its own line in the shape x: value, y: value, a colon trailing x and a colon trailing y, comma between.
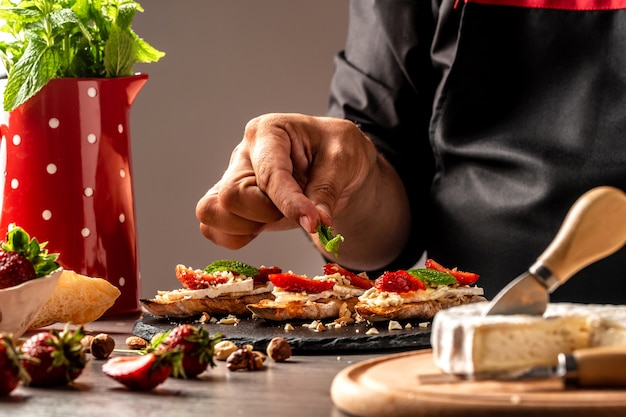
x: 136, y: 343
x: 223, y: 349
x: 279, y: 349
x: 102, y: 345
x: 245, y: 359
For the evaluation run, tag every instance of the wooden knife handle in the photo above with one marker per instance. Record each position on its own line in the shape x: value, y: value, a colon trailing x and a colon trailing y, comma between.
x: 598, y: 366
x: 594, y: 228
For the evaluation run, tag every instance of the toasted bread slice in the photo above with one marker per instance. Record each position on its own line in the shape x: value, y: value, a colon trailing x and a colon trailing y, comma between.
x: 423, y: 310
x: 189, y: 307
x: 310, y: 310
x: 76, y: 299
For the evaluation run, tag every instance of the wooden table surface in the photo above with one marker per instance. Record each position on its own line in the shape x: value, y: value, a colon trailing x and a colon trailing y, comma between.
x: 298, y: 387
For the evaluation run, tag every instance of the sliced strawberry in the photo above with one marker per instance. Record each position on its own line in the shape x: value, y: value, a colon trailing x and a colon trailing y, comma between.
x: 398, y: 281
x: 139, y: 373
x: 355, y: 279
x: 299, y: 283
x: 263, y: 276
x: 462, y: 277
x: 196, y: 279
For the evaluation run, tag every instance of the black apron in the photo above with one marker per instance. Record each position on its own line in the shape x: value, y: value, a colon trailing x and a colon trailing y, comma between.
x: 528, y: 111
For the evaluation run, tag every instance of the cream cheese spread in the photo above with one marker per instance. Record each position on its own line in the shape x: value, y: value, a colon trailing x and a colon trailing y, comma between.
x: 377, y: 298
x: 235, y: 286
x: 342, y: 290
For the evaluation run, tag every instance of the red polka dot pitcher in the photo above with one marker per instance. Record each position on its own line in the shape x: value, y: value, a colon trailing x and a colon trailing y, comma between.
x: 68, y: 180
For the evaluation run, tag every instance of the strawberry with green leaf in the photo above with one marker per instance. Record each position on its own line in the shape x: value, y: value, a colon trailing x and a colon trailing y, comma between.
x: 23, y: 259
x: 11, y: 370
x: 54, y: 358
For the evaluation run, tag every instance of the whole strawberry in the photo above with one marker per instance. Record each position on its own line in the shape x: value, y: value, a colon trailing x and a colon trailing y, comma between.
x: 23, y: 259
x: 143, y: 372
x: 197, y: 346
x: 54, y: 358
x: 11, y: 369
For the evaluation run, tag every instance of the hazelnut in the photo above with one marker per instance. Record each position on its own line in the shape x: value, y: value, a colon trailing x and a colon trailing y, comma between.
x: 223, y: 349
x: 102, y: 345
x: 136, y: 343
x: 279, y: 349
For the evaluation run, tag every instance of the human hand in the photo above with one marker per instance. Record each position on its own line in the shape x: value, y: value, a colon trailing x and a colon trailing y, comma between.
x: 289, y: 170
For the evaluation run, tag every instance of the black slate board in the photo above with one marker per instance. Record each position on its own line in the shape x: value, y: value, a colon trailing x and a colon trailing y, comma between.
x: 256, y: 332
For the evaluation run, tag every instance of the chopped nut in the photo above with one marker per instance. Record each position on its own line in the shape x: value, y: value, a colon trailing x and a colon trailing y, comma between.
x: 372, y: 330
x: 289, y: 327
x: 223, y: 349
x: 394, y: 325
x: 244, y: 359
x: 230, y: 319
x: 344, y: 321
x: 136, y: 343
x: 279, y: 349
x: 102, y: 345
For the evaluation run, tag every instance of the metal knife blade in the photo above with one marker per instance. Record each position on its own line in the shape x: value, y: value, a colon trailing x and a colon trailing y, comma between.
x: 594, y: 227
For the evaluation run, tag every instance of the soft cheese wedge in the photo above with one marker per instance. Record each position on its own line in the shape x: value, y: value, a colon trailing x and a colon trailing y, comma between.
x: 465, y: 341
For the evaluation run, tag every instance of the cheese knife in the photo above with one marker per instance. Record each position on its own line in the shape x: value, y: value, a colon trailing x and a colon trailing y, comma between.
x: 594, y: 228
x: 588, y: 367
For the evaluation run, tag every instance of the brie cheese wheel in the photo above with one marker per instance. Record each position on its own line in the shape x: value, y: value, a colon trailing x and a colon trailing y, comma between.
x: 464, y: 341
x: 608, y: 330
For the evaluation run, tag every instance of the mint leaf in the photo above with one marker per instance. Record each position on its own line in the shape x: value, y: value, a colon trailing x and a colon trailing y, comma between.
x: 328, y: 239
x: 38, y: 65
x: 234, y: 266
x: 431, y: 277
x: 119, y: 54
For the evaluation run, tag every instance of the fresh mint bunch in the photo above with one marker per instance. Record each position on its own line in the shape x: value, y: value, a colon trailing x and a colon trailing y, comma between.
x: 67, y: 39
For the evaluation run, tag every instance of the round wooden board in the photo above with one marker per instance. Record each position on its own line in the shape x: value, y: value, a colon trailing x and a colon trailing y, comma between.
x: 389, y: 386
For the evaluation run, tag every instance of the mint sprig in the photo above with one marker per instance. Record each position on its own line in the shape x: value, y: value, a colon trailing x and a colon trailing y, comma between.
x: 68, y: 39
x: 431, y: 277
x: 234, y: 266
x: 328, y: 239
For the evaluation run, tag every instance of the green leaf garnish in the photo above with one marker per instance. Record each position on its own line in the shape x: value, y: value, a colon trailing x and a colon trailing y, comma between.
x: 46, y: 39
x: 234, y: 266
x: 18, y: 240
x: 431, y: 277
x: 330, y: 241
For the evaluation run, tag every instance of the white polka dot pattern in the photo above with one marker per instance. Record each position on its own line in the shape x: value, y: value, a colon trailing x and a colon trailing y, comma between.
x: 74, y: 171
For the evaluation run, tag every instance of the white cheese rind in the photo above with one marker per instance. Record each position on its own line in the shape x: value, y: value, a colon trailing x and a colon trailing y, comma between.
x: 465, y: 341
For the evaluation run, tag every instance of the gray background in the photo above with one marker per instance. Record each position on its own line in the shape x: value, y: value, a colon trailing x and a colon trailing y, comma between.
x: 226, y: 62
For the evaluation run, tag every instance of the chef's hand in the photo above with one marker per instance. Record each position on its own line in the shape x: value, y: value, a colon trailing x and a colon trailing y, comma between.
x: 293, y: 170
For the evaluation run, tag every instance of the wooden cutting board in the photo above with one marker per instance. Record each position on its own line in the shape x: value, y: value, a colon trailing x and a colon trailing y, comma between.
x: 389, y: 386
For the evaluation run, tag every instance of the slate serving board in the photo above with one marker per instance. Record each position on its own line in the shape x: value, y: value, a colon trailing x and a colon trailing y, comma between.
x: 258, y: 333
